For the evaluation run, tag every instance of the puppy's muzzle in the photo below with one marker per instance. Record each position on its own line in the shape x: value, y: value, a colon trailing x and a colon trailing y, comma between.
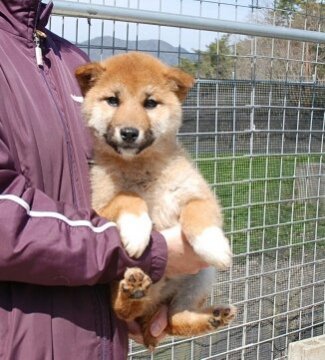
x: 129, y: 134
x: 128, y: 139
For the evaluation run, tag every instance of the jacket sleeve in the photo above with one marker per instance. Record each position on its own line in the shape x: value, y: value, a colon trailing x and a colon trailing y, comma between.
x: 50, y: 243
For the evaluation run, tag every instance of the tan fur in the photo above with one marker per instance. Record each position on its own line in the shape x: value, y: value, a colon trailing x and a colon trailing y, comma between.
x: 191, y: 323
x: 199, y: 214
x: 122, y: 201
x: 151, y: 175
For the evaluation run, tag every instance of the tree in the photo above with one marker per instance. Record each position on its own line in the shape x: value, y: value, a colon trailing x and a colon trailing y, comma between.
x: 191, y: 67
x: 286, y: 8
x: 213, y: 63
x: 281, y: 59
x: 307, y: 15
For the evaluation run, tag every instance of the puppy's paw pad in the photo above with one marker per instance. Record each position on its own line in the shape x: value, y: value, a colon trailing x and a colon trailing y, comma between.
x: 213, y: 247
x: 222, y: 315
x: 135, y: 232
x: 135, y: 284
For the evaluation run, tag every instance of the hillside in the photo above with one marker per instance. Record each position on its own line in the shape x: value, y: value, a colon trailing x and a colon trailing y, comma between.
x: 101, y: 48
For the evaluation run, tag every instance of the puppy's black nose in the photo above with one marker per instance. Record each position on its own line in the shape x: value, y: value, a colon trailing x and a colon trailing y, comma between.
x: 129, y: 134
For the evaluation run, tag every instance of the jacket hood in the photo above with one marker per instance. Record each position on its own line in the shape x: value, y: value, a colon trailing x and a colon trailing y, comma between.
x: 22, y: 17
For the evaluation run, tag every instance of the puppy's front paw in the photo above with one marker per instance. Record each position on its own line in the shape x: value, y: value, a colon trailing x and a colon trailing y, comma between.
x: 213, y: 247
x: 135, y: 232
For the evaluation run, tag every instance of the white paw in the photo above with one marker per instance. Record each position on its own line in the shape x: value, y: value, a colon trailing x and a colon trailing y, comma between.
x: 213, y: 247
x: 135, y: 232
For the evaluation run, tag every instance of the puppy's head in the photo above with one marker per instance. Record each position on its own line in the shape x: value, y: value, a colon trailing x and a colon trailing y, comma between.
x: 133, y: 101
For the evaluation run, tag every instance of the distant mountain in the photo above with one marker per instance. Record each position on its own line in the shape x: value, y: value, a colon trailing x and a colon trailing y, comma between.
x: 102, y: 47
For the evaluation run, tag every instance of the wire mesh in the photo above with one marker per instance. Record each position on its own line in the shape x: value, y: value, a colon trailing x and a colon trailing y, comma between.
x: 255, y: 129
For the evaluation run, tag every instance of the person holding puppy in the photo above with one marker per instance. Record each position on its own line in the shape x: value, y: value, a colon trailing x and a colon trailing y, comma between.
x: 57, y: 256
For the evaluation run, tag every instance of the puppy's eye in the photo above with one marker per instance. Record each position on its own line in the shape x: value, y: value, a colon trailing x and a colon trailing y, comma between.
x: 113, y: 101
x: 150, y: 104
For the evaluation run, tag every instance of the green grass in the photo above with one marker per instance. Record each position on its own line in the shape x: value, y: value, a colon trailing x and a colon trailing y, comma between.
x: 261, y: 210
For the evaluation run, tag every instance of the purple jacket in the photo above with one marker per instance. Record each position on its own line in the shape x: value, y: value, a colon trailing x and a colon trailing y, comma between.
x: 57, y: 257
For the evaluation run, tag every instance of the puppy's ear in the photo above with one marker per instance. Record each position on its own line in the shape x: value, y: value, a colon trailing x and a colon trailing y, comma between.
x: 87, y: 75
x: 181, y: 81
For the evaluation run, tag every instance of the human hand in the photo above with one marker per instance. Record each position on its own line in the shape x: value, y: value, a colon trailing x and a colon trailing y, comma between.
x: 158, y: 325
x: 182, y: 259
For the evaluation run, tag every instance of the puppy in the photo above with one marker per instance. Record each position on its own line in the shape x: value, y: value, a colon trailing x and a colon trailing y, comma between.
x: 142, y: 178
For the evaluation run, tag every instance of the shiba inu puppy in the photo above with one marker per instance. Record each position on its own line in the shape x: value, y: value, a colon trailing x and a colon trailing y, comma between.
x: 142, y: 179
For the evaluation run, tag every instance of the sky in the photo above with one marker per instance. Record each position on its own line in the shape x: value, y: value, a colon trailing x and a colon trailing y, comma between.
x: 234, y: 10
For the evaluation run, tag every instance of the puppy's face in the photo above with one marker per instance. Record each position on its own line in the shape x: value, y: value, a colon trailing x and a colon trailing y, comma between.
x: 133, y: 101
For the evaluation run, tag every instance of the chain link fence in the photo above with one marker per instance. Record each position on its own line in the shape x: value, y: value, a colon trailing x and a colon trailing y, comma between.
x: 254, y: 125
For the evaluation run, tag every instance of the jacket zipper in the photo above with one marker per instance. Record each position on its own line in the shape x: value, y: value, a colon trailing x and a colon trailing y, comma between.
x: 103, y: 321
x: 38, y: 35
x: 36, y: 38
x: 38, y: 49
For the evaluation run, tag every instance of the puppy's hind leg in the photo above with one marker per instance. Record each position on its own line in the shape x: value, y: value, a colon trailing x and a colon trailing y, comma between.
x: 192, y: 323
